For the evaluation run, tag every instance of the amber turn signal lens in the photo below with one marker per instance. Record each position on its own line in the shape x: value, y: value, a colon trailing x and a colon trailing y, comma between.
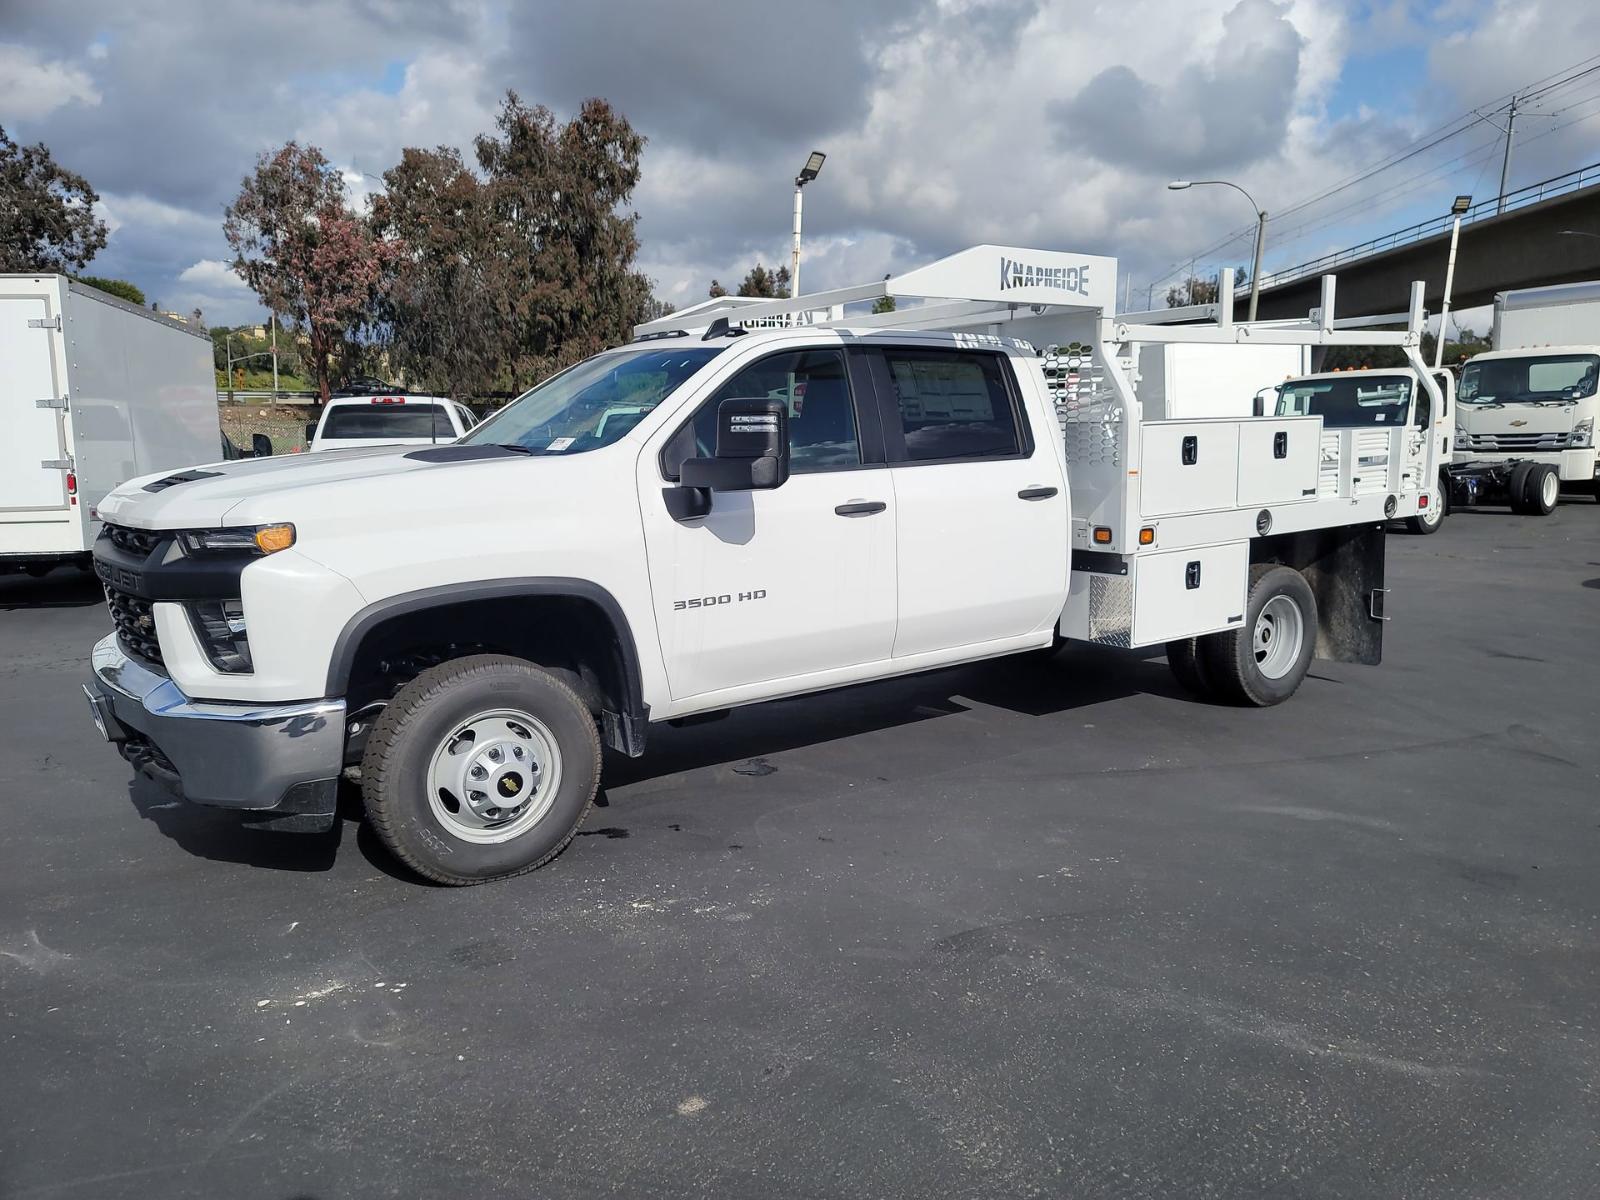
x: 272, y: 538
x: 1147, y: 536
x: 1102, y: 535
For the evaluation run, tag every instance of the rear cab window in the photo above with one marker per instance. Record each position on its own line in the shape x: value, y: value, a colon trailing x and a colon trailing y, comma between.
x: 355, y: 422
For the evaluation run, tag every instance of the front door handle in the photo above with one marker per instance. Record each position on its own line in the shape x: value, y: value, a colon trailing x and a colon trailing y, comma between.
x: 1037, y: 493
x: 860, y: 508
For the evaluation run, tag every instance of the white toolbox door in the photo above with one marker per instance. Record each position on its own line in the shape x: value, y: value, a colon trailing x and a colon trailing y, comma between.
x: 1278, y: 460
x: 1188, y: 467
x: 32, y: 435
x: 1184, y: 593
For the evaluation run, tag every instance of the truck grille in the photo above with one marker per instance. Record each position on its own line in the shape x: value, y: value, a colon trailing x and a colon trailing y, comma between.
x: 1516, y: 441
x: 136, y: 625
x: 134, y: 541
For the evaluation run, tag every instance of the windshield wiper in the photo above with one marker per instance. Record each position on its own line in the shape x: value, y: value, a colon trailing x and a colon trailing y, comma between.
x: 514, y: 447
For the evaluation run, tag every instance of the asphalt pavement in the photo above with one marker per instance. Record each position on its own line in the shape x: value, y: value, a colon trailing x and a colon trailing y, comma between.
x: 1021, y: 929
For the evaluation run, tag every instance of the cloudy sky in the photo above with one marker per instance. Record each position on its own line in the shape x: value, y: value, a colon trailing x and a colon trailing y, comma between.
x: 947, y: 122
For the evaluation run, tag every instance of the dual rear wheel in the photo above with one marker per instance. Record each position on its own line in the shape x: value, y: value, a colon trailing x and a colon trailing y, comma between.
x: 1263, y: 661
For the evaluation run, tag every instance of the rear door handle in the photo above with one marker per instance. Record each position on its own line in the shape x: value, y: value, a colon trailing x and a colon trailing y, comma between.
x: 860, y: 508
x: 1037, y: 493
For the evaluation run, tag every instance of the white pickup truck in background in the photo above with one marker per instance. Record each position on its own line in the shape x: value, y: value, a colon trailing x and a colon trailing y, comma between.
x: 388, y: 419
x: 713, y: 516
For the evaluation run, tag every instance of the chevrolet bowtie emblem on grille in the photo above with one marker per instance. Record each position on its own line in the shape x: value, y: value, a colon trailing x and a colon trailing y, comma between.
x: 1518, y: 424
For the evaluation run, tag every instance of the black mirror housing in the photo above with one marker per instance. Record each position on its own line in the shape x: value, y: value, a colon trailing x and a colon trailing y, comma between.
x: 311, y: 431
x: 261, y: 445
x: 752, y: 449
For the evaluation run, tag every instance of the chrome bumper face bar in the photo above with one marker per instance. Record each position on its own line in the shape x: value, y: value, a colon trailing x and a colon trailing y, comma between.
x: 280, y: 757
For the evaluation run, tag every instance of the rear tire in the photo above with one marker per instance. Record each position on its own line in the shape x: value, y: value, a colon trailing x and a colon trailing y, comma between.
x: 1541, y: 491
x: 1516, y: 488
x: 1183, y: 657
x: 1263, y: 662
x: 518, y: 732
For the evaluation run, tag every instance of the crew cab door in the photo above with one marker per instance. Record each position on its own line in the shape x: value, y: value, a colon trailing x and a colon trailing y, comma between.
x: 775, y: 585
x: 980, y: 494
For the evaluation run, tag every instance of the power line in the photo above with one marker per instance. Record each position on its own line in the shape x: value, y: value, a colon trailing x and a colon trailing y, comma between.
x: 1538, y: 88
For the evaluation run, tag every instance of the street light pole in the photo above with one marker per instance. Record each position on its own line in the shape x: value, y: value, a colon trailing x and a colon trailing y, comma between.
x: 1462, y: 203
x: 1178, y: 185
x: 807, y: 174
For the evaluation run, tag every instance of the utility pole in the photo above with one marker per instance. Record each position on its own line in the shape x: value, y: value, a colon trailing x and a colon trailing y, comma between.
x: 274, y: 357
x: 1505, y: 163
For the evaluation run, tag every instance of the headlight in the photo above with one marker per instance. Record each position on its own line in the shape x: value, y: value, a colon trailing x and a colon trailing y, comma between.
x: 243, y: 539
x: 1463, y: 438
x: 219, y: 624
x: 1583, y: 433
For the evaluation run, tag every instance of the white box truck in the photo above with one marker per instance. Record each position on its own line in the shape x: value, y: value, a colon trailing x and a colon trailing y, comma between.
x: 1525, y: 424
x: 93, y: 391
x: 714, y: 516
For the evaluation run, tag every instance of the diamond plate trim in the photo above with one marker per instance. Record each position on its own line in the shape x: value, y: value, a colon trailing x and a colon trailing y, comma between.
x: 1111, y: 610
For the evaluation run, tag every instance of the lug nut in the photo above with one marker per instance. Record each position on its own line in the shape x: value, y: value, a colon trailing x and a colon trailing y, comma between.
x: 494, y: 754
x: 478, y: 772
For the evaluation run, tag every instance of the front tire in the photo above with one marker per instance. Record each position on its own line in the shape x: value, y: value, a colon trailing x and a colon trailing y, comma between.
x: 479, y: 769
x: 1263, y: 662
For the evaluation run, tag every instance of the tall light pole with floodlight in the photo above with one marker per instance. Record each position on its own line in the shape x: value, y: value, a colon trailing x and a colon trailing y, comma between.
x: 1178, y: 185
x: 1460, y: 206
x: 807, y: 173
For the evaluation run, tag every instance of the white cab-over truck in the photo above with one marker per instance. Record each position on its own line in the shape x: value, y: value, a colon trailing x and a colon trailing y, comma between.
x: 93, y: 391
x: 711, y: 517
x: 1525, y: 425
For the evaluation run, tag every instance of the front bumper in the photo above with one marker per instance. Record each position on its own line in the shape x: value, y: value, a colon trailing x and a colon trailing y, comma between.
x: 279, y: 763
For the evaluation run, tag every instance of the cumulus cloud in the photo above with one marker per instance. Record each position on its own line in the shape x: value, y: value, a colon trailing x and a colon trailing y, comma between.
x: 35, y: 86
x: 946, y: 122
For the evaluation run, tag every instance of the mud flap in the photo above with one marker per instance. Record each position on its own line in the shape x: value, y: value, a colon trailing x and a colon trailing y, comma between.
x: 1345, y: 568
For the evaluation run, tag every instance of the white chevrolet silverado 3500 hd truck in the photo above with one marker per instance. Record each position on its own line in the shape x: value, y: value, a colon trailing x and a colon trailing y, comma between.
x: 710, y: 517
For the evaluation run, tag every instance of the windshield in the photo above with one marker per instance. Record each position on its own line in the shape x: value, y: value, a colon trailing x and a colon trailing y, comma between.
x: 1546, y: 378
x: 358, y: 421
x: 1345, y: 403
x: 594, y: 403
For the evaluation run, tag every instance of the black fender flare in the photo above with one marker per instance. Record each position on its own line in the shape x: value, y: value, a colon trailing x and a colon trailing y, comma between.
x: 634, y: 714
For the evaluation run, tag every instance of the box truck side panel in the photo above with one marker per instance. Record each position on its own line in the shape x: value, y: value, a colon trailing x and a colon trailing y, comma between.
x: 144, y: 397
x: 31, y: 435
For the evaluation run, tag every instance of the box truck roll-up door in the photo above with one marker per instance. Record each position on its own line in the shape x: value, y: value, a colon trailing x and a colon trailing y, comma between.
x: 29, y: 435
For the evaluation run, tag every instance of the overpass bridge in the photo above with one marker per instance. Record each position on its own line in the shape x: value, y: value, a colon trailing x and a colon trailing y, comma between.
x: 1515, y: 244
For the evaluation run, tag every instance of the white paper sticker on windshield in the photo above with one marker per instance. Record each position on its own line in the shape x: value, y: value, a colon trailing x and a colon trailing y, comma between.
x: 559, y: 444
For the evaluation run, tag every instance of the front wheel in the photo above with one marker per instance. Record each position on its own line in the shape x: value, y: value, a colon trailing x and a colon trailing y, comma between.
x: 1265, y: 660
x: 480, y: 768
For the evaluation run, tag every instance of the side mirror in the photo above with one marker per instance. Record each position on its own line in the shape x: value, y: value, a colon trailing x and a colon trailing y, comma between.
x: 261, y: 445
x: 1259, y: 406
x: 752, y: 455
x: 752, y: 449
x: 311, y: 432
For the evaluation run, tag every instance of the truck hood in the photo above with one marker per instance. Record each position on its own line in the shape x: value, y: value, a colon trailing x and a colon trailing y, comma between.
x: 199, y: 497
x: 1517, y: 418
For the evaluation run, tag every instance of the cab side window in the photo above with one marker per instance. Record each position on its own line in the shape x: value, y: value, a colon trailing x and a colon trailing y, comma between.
x: 822, y: 424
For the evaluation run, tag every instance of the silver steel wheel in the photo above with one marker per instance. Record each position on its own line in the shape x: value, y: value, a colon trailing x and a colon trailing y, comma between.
x: 495, y: 776
x: 1550, y: 489
x: 1280, y: 632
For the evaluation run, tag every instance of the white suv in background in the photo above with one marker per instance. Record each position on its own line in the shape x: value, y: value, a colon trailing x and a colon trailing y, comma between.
x: 390, y: 419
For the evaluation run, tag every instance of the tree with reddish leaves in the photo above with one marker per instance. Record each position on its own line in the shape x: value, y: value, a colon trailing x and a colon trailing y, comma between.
x: 304, y: 253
